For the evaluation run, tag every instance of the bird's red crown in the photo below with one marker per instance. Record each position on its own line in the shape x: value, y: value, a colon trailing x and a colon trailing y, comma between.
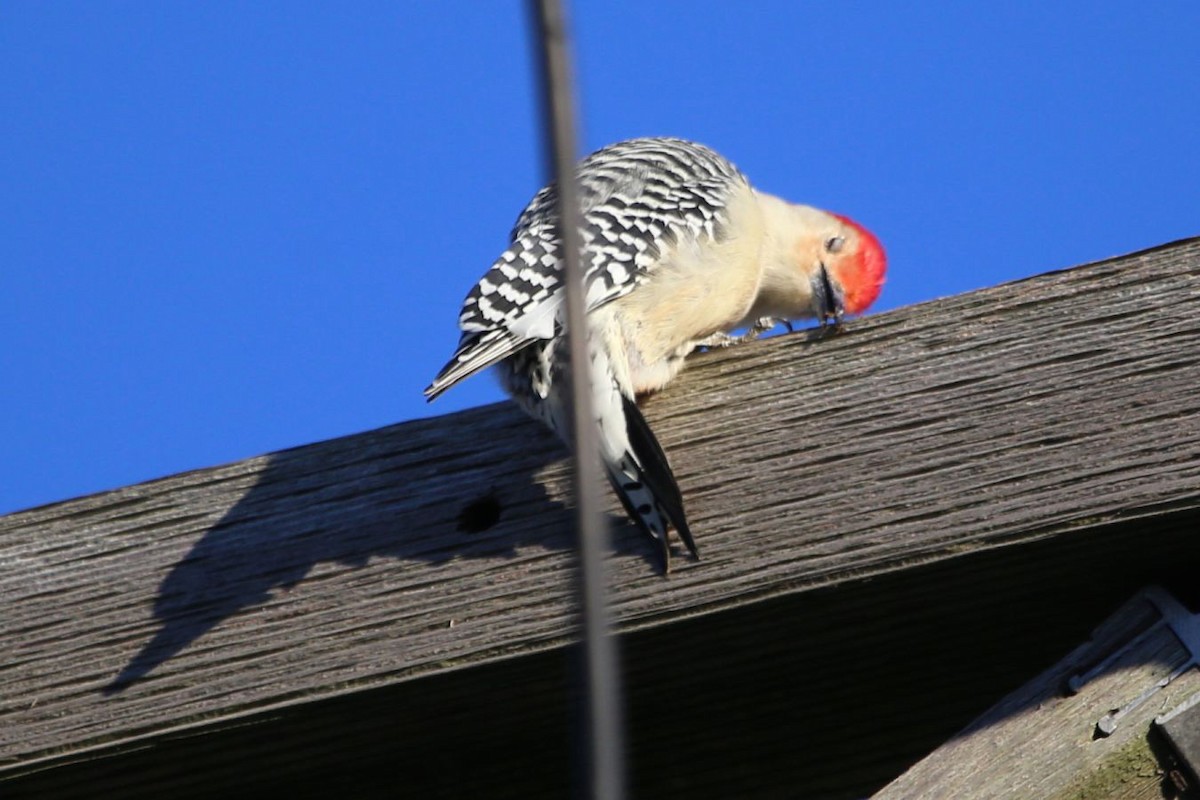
x: 862, y: 274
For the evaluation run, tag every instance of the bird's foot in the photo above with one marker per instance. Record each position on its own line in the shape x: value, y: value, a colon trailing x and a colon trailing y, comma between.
x: 760, y: 326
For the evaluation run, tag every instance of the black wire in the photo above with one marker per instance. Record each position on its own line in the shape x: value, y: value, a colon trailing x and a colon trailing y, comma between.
x: 605, y: 767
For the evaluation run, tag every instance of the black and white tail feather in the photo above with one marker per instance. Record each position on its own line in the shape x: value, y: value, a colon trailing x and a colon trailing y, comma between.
x: 634, y: 461
x: 636, y: 465
x: 646, y: 485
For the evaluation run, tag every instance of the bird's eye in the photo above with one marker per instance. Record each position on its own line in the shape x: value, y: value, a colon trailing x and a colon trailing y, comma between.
x: 834, y: 244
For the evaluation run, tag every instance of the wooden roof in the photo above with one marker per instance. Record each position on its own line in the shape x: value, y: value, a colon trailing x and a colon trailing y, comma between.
x: 293, y: 615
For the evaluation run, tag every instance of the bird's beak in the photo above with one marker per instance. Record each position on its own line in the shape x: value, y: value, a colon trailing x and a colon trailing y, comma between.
x: 827, y: 297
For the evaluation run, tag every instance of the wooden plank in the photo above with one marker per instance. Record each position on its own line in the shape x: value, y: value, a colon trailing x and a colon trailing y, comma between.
x: 1041, y: 740
x: 828, y: 693
x: 1180, y: 728
x: 1041, y: 408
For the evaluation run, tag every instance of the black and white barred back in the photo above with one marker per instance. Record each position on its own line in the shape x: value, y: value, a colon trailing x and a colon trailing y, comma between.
x: 638, y: 197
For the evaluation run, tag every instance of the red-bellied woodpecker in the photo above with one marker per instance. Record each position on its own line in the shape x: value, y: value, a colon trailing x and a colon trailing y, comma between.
x: 679, y: 251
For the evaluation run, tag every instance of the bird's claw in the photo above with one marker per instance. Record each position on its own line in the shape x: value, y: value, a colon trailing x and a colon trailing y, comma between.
x: 760, y: 326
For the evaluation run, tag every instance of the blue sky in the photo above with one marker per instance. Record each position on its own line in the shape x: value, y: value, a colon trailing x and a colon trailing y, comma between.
x: 228, y: 228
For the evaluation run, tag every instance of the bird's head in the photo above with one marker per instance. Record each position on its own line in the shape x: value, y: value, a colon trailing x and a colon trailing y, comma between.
x: 850, y: 269
x: 817, y: 264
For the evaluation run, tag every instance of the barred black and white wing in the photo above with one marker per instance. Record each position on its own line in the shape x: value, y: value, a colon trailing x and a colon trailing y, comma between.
x: 638, y: 199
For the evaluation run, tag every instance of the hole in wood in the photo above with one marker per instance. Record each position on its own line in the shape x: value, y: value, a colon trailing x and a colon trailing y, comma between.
x: 479, y: 515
